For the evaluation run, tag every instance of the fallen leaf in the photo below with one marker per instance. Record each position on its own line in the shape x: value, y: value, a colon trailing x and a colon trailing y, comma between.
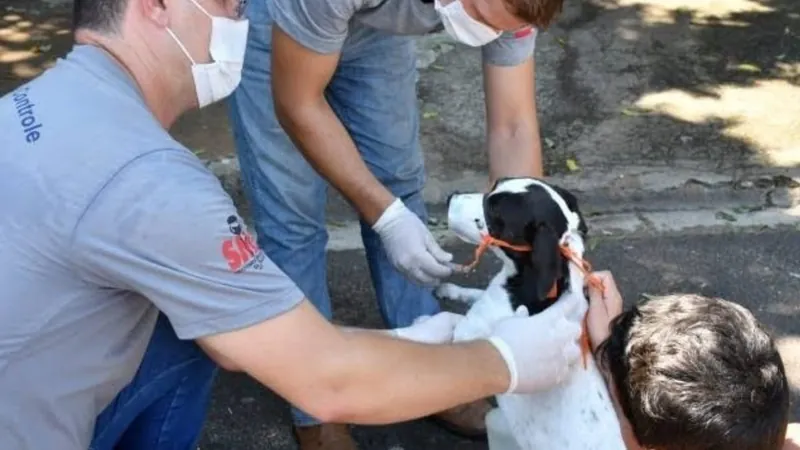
x: 549, y: 142
x: 725, y: 216
x: 631, y: 112
x: 429, y: 115
x: 572, y: 165
x: 436, y: 67
x: 748, y: 68
x: 561, y: 41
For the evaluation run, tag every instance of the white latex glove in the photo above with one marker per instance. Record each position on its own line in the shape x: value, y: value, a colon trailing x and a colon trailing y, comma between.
x: 436, y: 329
x: 411, y: 247
x: 540, y: 350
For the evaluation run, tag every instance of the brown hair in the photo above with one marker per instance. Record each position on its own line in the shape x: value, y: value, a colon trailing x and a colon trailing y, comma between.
x: 697, y: 373
x: 539, y: 13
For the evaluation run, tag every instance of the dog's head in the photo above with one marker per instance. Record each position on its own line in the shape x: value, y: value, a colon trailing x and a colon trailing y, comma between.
x: 522, y: 212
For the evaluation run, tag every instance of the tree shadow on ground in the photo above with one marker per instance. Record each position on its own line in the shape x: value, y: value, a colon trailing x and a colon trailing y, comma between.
x: 685, y: 82
x: 31, y: 37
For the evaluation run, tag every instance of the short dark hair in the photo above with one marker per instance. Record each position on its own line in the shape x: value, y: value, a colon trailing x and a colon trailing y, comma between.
x: 539, y: 13
x: 98, y: 15
x: 697, y: 373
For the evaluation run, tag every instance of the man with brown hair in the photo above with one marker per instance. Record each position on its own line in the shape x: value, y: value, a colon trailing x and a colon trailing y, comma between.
x: 689, y: 372
x: 328, y: 96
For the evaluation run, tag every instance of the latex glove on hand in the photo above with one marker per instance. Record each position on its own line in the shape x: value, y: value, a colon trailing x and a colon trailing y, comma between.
x: 436, y: 329
x: 540, y: 350
x: 411, y: 247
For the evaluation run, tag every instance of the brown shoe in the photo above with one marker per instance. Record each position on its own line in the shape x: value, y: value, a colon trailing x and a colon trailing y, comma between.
x: 327, y: 436
x: 467, y: 420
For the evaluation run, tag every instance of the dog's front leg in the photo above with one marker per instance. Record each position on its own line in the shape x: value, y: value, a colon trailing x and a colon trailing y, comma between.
x: 450, y: 291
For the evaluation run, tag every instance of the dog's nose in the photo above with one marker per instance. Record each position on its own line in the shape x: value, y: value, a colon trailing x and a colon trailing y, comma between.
x: 450, y: 197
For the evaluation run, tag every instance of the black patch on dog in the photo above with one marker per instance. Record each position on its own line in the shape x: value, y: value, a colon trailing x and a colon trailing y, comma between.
x: 532, y: 218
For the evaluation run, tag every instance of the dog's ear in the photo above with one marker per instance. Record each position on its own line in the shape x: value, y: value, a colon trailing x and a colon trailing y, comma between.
x: 572, y: 204
x: 545, y: 259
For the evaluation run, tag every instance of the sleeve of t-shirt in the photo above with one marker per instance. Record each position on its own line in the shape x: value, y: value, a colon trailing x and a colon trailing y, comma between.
x: 320, y: 25
x: 163, y: 227
x: 511, y: 48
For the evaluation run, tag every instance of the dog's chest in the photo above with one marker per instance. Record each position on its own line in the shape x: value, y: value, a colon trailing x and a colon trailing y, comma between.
x: 494, y: 304
x: 575, y: 415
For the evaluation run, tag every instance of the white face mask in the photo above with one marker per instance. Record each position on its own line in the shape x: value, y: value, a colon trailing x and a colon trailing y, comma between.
x: 217, y: 79
x: 462, y: 27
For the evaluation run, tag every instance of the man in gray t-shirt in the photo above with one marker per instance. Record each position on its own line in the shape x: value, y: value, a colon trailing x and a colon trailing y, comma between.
x: 127, y: 275
x: 328, y: 97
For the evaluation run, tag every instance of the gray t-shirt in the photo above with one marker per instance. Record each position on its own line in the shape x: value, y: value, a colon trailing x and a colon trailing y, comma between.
x: 106, y: 220
x: 323, y: 25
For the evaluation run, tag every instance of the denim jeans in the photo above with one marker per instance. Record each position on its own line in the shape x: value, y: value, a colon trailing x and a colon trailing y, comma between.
x: 164, y: 406
x: 373, y: 92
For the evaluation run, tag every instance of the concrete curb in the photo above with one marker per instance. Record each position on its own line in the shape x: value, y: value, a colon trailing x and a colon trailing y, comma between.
x: 621, y: 190
x: 638, y: 200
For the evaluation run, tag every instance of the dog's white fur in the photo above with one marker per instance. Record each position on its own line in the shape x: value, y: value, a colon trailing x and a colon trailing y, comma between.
x: 578, y: 413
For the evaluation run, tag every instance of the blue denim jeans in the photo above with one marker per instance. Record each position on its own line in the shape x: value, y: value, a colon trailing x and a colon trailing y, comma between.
x: 373, y: 92
x: 164, y: 406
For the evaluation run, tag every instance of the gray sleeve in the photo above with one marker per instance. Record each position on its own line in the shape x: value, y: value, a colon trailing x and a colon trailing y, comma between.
x: 510, y: 49
x: 164, y: 227
x: 320, y: 25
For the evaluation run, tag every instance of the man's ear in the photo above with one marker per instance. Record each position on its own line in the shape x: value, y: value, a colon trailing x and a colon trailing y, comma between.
x: 155, y: 10
x: 545, y: 260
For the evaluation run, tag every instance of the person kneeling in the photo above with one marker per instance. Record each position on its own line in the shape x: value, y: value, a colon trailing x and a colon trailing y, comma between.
x: 689, y: 372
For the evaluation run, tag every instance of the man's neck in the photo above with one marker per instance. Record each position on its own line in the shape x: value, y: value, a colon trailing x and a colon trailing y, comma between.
x: 163, y: 99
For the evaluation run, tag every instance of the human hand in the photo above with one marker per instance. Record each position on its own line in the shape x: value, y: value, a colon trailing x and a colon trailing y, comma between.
x: 411, y: 247
x: 436, y: 329
x: 792, y: 441
x: 540, y: 350
x: 603, y: 308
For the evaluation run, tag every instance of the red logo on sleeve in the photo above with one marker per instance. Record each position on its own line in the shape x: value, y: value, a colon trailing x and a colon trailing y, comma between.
x: 240, y: 250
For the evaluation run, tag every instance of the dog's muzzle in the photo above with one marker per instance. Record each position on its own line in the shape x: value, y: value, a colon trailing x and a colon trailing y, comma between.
x: 465, y: 216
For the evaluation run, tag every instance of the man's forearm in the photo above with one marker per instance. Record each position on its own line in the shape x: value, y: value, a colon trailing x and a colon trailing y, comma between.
x: 515, y: 151
x: 361, y: 377
x: 382, y: 380
x: 512, y: 121
x: 323, y: 140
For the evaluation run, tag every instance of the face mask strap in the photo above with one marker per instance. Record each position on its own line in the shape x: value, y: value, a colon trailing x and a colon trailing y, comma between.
x: 180, y: 44
x: 202, y: 9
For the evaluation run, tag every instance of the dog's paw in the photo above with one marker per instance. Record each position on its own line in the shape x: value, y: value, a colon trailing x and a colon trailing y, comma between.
x: 447, y: 291
x: 454, y: 292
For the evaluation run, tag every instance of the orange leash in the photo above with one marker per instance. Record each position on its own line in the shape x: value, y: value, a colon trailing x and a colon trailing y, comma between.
x: 595, y: 282
x: 488, y: 241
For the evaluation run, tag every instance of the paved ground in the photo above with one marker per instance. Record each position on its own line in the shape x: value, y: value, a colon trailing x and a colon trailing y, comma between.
x: 675, y: 121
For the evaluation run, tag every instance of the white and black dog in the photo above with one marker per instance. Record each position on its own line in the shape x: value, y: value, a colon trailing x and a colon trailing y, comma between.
x: 527, y: 212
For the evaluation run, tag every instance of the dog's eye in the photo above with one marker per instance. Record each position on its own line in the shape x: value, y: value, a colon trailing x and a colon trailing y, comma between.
x: 479, y: 224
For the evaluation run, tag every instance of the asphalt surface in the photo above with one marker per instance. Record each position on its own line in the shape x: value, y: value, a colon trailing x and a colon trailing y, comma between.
x: 759, y: 269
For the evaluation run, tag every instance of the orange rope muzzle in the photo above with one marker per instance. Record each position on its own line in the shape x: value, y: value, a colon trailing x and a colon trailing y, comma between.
x: 583, y: 265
